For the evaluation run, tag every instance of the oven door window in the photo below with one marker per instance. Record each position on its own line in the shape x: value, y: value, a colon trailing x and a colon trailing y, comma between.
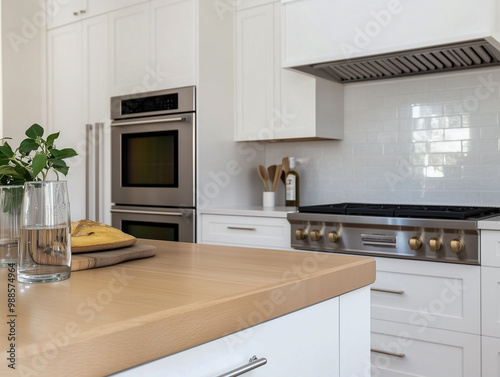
x: 150, y: 159
x: 151, y: 230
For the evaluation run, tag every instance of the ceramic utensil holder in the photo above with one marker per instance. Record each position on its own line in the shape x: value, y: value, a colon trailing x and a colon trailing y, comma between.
x: 268, y: 199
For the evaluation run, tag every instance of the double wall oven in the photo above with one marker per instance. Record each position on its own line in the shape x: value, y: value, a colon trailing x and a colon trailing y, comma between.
x: 153, y: 188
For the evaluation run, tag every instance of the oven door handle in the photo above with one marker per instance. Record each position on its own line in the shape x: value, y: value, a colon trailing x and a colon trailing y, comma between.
x: 147, y: 121
x: 147, y: 212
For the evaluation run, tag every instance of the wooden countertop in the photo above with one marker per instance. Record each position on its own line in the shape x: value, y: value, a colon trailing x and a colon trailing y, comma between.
x: 108, y: 319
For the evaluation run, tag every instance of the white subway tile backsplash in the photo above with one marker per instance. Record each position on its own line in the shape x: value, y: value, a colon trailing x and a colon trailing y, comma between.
x: 430, y: 139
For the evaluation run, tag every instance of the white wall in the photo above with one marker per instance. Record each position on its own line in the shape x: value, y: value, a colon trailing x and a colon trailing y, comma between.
x: 23, y: 67
x: 428, y: 139
x: 227, y: 171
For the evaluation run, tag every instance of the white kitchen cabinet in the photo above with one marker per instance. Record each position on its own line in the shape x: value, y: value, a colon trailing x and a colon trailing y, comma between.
x: 490, y: 300
x: 174, y: 43
x: 490, y: 356
x: 431, y: 313
x: 246, y: 226
x: 490, y: 248
x: 248, y: 231
x: 129, y: 49
x: 307, y: 342
x: 61, y: 13
x: 77, y: 94
x: 64, y: 12
x: 272, y: 103
x: 404, y: 350
x: 153, y: 46
x: 428, y: 294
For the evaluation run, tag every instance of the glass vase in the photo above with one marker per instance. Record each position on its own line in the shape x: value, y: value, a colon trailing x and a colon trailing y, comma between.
x: 45, y: 233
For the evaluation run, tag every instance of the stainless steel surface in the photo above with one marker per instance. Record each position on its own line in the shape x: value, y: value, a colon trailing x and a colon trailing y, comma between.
x: 376, y: 350
x: 392, y: 291
x: 114, y: 210
x: 253, y: 363
x: 443, y: 240
x: 186, y: 102
x: 184, y: 218
x: 119, y: 123
x: 93, y: 170
x: 240, y: 228
x: 471, y: 54
x: 181, y: 196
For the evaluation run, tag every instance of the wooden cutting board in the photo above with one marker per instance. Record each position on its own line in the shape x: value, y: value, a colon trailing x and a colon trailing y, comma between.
x: 85, y: 261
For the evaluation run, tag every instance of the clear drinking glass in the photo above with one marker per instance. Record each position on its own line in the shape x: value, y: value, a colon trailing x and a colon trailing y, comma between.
x: 45, y: 233
x: 10, y: 209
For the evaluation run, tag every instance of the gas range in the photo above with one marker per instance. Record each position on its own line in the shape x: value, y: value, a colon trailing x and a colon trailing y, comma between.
x: 423, y: 232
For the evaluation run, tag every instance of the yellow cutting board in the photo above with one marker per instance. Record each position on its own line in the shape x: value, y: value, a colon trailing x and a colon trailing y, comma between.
x: 85, y: 261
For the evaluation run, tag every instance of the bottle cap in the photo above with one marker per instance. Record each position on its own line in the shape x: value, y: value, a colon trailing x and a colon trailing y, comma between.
x: 291, y: 162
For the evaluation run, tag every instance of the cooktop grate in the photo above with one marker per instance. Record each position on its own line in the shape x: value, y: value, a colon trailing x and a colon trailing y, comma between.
x: 397, y: 210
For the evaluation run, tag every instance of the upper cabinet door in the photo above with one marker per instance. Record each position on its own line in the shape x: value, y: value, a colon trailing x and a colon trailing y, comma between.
x: 129, y: 50
x: 153, y: 46
x: 255, y: 73
x: 173, y: 24
x: 63, y: 13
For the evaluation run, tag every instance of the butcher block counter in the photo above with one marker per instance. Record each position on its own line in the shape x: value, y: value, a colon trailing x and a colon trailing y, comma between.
x: 108, y: 319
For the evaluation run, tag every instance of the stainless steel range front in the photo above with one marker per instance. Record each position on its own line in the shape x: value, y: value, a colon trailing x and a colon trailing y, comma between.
x: 432, y: 233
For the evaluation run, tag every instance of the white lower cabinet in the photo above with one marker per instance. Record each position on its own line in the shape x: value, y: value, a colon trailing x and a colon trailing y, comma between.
x: 429, y: 294
x: 490, y: 356
x: 307, y: 342
x: 426, y: 319
x: 490, y: 302
x: 250, y: 231
x: 406, y: 350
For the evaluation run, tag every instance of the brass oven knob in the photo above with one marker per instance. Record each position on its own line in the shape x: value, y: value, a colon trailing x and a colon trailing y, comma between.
x: 315, y: 235
x: 300, y: 235
x: 415, y: 243
x: 456, y: 245
x: 435, y: 244
x: 333, y: 236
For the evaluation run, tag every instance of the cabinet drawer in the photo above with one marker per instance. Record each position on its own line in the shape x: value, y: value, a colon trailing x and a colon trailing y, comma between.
x: 245, y: 231
x: 490, y: 248
x: 284, y: 341
x: 412, y: 351
x: 427, y: 294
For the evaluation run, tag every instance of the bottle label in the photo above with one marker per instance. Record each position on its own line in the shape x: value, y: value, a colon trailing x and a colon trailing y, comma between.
x: 290, y: 188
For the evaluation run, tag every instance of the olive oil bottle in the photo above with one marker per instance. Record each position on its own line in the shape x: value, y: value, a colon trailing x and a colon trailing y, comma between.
x: 292, y: 186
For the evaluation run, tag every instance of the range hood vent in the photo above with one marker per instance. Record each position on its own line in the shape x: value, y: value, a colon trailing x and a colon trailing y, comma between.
x: 444, y: 58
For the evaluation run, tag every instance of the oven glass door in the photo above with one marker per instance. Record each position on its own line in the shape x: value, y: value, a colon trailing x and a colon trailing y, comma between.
x: 153, y: 161
x: 155, y: 223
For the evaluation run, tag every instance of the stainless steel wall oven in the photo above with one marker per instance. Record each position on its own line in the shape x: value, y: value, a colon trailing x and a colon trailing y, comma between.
x: 153, y: 164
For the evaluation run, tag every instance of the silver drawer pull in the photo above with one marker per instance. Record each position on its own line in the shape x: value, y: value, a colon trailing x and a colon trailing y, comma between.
x: 240, y: 228
x: 387, y: 291
x: 253, y: 363
x: 400, y: 355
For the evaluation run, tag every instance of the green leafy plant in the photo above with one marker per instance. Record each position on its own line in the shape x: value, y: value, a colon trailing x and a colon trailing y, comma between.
x: 34, y: 158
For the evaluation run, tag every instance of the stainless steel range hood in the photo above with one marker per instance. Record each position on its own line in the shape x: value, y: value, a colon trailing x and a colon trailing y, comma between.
x: 443, y: 58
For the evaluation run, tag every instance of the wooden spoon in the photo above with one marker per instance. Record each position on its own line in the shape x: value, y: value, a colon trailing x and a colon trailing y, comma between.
x: 263, y: 175
x: 277, y: 175
x: 271, y: 170
x: 285, y: 169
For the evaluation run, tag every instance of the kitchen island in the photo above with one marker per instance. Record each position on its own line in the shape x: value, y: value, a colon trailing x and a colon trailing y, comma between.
x: 106, y: 320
